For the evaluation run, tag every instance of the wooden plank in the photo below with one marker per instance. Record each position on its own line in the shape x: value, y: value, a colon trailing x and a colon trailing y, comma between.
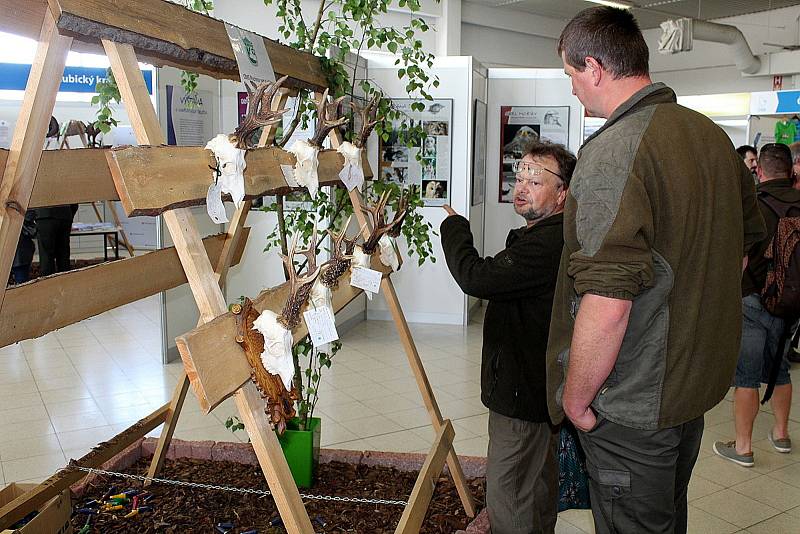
x: 163, y: 33
x: 418, y: 502
x: 23, y: 505
x: 202, y: 348
x: 208, y: 294
x: 232, y: 242
x: 26, y: 145
x: 70, y: 177
x: 152, y: 180
x: 46, y: 304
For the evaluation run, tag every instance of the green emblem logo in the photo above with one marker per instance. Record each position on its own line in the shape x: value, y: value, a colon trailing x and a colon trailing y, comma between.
x: 251, y: 51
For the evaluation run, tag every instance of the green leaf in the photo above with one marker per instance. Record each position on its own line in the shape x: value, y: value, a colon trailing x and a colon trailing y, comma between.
x: 392, y: 46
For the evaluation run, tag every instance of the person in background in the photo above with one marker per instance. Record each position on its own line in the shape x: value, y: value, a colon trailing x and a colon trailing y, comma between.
x: 761, y: 331
x: 646, y: 316
x: 54, y: 225
x: 518, y: 282
x: 21, y: 267
x: 795, y: 149
x: 749, y: 155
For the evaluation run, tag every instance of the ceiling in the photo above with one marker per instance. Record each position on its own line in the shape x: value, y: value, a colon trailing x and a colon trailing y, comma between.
x: 650, y: 13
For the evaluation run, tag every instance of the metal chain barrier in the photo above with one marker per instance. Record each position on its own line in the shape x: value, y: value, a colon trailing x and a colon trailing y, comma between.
x: 253, y: 491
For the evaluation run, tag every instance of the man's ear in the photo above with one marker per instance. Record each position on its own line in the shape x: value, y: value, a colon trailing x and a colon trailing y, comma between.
x: 595, y: 68
x: 562, y: 196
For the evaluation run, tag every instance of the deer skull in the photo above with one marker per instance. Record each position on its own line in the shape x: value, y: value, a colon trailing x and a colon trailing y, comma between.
x: 277, y: 355
x: 228, y: 178
x: 352, y: 173
x: 305, y: 170
x: 389, y: 253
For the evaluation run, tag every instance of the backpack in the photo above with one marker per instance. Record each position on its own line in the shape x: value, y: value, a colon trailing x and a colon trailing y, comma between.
x: 780, y: 295
x: 781, y: 292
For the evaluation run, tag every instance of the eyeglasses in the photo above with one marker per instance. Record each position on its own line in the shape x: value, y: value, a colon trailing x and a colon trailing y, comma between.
x: 532, y: 170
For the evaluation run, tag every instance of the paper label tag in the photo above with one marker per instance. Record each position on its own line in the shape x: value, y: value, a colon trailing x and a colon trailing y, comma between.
x: 252, y: 58
x: 352, y: 177
x: 321, y: 325
x: 366, y: 279
x: 214, y: 205
x: 288, y: 175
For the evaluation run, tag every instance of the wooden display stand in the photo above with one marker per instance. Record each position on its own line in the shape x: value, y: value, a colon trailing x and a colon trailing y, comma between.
x: 152, y: 180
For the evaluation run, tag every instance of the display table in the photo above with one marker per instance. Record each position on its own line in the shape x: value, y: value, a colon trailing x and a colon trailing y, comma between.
x: 102, y: 229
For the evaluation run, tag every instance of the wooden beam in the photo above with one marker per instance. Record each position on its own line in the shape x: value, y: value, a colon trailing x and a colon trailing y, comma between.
x: 418, y: 502
x: 163, y: 33
x: 26, y: 145
x: 151, y: 180
x: 103, y: 452
x: 46, y: 304
x: 204, y: 347
x: 69, y: 177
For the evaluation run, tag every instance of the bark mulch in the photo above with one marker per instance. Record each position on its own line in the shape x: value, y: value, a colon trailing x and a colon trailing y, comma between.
x: 176, y: 509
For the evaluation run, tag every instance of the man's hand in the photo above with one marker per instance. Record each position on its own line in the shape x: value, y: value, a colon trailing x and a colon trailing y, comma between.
x: 584, y: 421
x: 450, y: 211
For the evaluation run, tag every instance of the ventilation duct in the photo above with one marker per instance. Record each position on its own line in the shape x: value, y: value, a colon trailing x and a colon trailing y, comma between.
x: 678, y: 36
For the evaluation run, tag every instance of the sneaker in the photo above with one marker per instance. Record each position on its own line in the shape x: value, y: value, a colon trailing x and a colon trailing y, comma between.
x: 727, y: 450
x: 781, y: 445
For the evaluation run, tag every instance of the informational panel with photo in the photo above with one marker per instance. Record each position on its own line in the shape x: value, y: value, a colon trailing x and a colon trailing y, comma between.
x: 431, y: 172
x: 521, y: 125
x: 479, y: 154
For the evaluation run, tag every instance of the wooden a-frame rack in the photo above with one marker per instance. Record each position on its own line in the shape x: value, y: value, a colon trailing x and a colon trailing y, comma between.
x: 154, y: 179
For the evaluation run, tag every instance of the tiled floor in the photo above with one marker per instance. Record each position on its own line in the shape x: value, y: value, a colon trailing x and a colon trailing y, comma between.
x: 66, y: 391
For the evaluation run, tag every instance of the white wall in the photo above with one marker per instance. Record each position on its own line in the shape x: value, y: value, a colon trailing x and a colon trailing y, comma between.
x: 503, y: 48
x: 476, y: 213
x: 519, y: 87
x: 428, y: 293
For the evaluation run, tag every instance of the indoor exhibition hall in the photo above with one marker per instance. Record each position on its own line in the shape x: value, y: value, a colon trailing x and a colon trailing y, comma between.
x: 410, y: 266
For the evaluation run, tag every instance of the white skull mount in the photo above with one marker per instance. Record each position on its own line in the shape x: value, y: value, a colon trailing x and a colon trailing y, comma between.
x: 321, y: 296
x: 305, y: 170
x: 277, y: 355
x: 352, y: 174
x: 228, y: 176
x: 389, y: 253
x: 361, y: 259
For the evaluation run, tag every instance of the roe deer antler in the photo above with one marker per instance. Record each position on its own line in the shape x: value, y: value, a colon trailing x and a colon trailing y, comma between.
x: 299, y: 286
x: 339, y: 263
x: 280, y: 402
x: 259, y: 111
x: 378, y: 218
x: 368, y: 120
x: 327, y: 118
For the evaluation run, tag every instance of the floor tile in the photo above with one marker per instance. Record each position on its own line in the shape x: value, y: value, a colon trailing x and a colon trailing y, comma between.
x: 736, y: 508
x: 371, y: 426
x: 774, y: 525
x: 472, y: 446
x: 26, y: 429
x: 82, y: 421
x: 703, y: 522
x: 33, y: 467
x: 25, y: 448
x: 789, y: 475
x: 771, y: 492
x: 700, y: 487
x: 580, y: 518
x: 723, y: 472
x: 403, y: 441
x: 19, y: 400
x: 87, y: 437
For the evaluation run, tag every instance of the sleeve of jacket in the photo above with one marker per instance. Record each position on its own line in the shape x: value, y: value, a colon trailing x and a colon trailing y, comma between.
x: 754, y: 226
x: 525, y: 268
x: 613, y: 218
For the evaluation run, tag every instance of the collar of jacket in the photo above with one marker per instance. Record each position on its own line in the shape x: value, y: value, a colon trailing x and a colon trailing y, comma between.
x: 558, y: 218
x: 656, y: 93
x: 779, y: 188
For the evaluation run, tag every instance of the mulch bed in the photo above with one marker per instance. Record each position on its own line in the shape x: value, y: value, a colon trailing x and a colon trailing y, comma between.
x: 177, y: 509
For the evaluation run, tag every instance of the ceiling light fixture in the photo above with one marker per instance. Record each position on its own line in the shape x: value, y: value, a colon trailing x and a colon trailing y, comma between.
x: 619, y: 4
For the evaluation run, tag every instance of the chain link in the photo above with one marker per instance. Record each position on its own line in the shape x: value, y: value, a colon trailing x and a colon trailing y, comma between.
x: 234, y: 489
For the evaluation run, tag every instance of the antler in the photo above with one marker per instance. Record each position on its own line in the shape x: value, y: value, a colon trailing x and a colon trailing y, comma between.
x: 399, y: 216
x: 259, y: 111
x: 368, y: 122
x: 327, y: 118
x: 299, y: 286
x: 379, y: 226
x: 335, y: 267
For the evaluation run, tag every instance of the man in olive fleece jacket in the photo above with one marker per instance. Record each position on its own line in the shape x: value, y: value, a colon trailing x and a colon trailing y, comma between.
x: 646, y: 317
x: 518, y: 282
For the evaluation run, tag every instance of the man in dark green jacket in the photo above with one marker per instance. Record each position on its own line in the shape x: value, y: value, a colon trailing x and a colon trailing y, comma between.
x: 518, y: 282
x: 646, y: 318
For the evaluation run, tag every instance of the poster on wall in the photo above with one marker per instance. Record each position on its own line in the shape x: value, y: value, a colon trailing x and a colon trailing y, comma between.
x: 190, y: 117
x: 479, y: 154
x: 521, y: 125
x: 431, y: 171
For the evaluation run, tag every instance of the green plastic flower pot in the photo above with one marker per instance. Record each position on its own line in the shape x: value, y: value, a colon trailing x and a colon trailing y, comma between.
x: 301, y: 449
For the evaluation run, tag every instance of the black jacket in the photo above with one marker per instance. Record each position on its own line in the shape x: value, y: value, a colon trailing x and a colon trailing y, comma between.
x: 518, y: 283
